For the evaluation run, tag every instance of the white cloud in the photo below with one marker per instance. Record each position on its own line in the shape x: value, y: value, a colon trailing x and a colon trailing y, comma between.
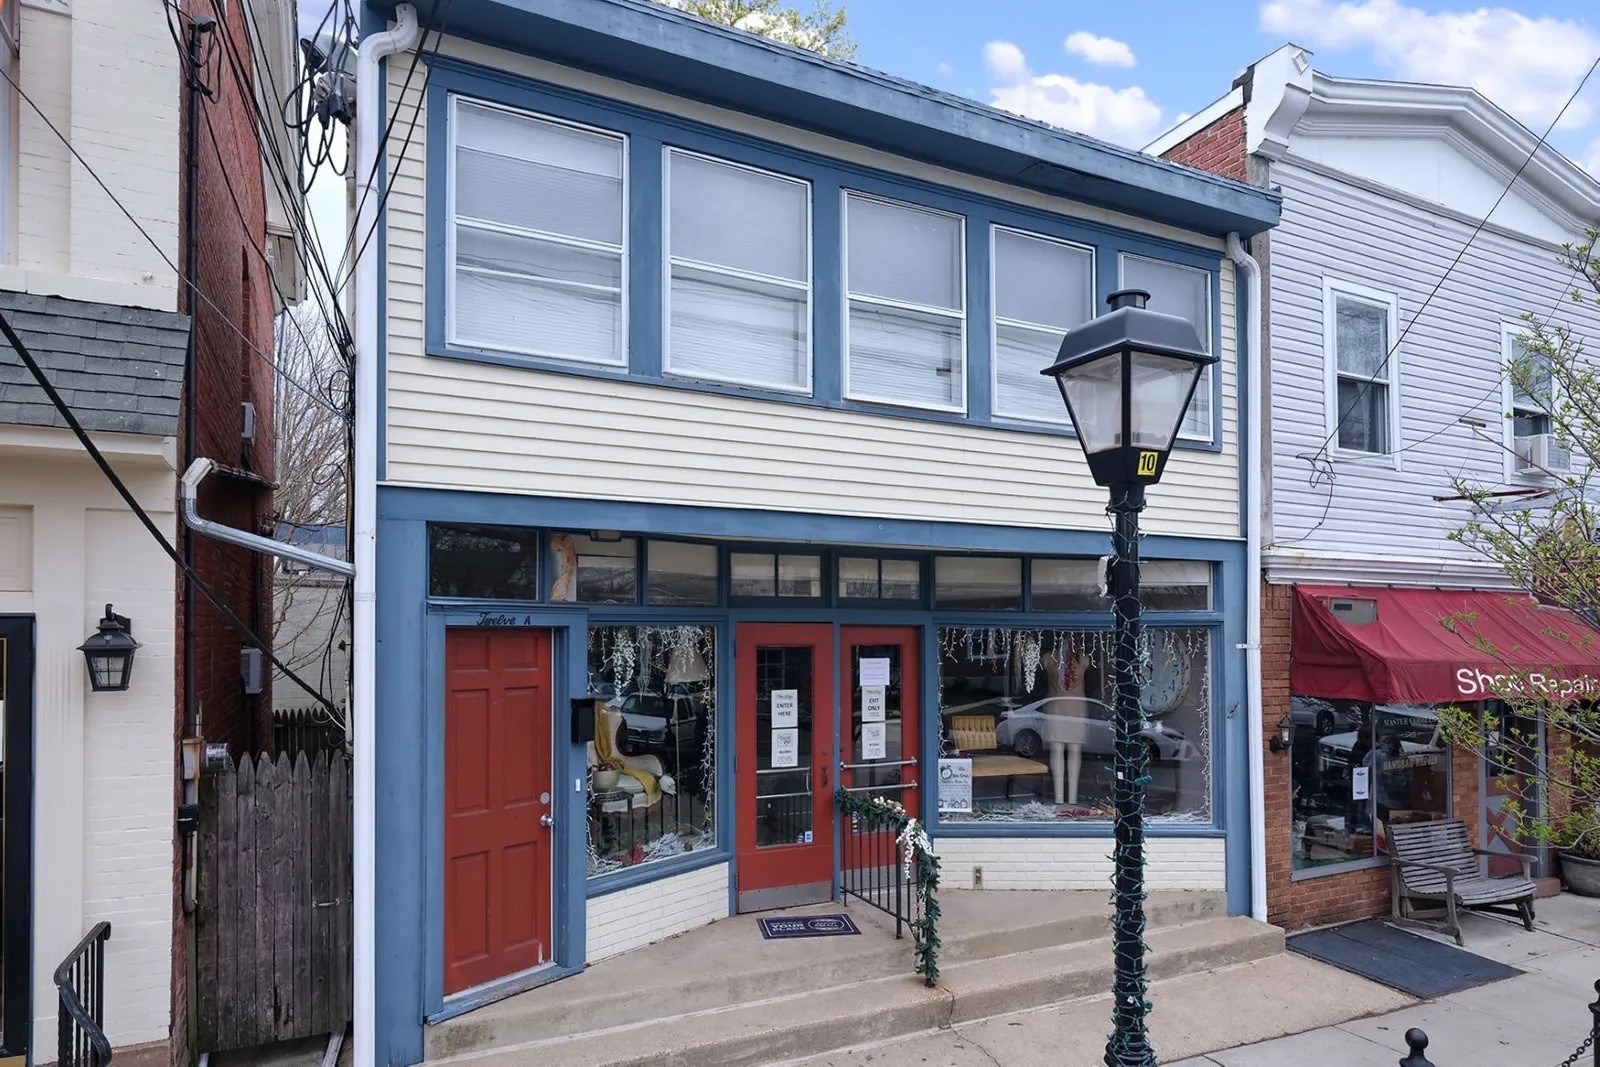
x: 1590, y: 160
x: 1102, y: 51
x: 1528, y: 66
x: 1125, y: 116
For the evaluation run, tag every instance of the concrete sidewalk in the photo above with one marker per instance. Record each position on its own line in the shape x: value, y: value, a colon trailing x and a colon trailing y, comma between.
x: 1239, y: 1016
x: 1535, y: 1019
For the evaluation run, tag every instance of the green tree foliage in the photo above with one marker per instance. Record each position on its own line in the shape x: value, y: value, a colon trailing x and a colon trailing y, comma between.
x: 821, y: 30
x: 1547, y: 542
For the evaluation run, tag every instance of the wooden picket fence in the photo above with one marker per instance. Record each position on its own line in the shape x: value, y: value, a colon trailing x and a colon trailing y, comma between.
x: 309, y: 730
x: 273, y: 923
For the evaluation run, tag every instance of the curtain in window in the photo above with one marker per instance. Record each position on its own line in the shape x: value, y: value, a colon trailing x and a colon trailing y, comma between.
x: 740, y: 300
x: 907, y: 305
x: 538, y: 238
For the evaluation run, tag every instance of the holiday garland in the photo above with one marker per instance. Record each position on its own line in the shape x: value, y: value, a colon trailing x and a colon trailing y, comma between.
x: 921, y: 868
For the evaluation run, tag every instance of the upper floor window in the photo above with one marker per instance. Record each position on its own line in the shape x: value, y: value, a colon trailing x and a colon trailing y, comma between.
x: 1531, y: 392
x: 538, y: 245
x: 1362, y: 369
x: 739, y: 286
x: 1185, y: 292
x: 1041, y: 289
x: 906, y: 326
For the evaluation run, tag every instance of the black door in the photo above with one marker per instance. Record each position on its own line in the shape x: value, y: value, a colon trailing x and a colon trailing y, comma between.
x: 16, y: 832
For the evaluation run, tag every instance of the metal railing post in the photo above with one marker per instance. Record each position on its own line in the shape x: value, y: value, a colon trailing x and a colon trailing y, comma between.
x: 1417, y: 1044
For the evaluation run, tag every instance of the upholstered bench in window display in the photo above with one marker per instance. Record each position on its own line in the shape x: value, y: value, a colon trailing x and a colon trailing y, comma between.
x: 641, y: 779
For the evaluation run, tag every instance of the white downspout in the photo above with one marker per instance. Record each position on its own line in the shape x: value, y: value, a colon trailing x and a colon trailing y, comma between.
x: 363, y: 709
x: 1252, y: 565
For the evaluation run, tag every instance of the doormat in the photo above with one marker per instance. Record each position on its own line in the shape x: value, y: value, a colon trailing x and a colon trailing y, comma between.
x: 1400, y: 960
x: 806, y: 926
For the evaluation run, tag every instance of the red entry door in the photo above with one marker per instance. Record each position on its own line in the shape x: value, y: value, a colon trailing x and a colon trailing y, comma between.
x: 880, y: 694
x: 497, y: 831
x: 785, y: 721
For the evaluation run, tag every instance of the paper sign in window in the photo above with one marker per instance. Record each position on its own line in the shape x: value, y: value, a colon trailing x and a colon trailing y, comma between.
x: 955, y: 785
x: 785, y: 709
x: 874, y: 699
x: 786, y: 748
x: 1360, y: 777
x: 873, y: 740
x: 874, y: 672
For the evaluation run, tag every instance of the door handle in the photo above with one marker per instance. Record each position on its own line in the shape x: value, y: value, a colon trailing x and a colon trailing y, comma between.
x: 547, y: 819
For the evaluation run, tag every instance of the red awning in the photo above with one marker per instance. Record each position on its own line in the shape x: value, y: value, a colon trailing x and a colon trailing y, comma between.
x: 1435, y: 646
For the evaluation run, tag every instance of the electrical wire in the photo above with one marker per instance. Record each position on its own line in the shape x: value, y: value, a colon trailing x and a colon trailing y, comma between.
x: 192, y: 287
x: 139, y: 512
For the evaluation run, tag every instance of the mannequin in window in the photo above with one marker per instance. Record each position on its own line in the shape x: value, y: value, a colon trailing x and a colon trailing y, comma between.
x: 1066, y: 720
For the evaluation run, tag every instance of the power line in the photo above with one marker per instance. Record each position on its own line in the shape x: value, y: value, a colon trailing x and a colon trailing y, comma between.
x: 193, y: 288
x: 144, y: 518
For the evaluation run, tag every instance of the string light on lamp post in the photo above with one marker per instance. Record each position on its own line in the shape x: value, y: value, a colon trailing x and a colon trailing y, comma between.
x: 1127, y: 378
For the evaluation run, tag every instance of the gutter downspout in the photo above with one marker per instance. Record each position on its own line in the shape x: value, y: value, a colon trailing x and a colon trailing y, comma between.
x: 1252, y: 565
x: 363, y: 681
x: 198, y: 471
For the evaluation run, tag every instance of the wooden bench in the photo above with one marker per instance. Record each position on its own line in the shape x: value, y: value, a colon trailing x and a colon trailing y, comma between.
x: 1435, y: 862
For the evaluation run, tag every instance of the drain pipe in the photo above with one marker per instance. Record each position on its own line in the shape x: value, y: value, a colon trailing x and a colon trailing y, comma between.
x: 369, y: 127
x: 1252, y: 565
x: 198, y: 471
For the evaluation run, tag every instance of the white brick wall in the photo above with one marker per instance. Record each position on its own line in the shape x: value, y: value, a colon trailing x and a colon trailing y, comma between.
x: 644, y: 914
x: 1076, y: 862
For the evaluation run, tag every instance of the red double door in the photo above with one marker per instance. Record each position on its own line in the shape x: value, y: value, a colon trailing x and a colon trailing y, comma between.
x: 790, y: 702
x: 498, y: 817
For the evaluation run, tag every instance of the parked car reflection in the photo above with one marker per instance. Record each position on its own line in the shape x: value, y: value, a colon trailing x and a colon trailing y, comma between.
x: 1028, y: 729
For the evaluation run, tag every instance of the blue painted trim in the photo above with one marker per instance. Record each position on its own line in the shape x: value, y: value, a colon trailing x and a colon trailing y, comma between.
x: 672, y: 520
x: 645, y: 873
x: 1249, y: 443
x: 650, y: 45
x: 509, y: 986
x: 648, y: 130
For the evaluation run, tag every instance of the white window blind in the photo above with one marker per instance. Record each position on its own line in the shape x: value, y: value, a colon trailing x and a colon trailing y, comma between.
x: 739, y: 248
x: 1042, y: 288
x: 539, y: 243
x: 1362, y: 390
x: 907, y: 315
x: 1185, y: 292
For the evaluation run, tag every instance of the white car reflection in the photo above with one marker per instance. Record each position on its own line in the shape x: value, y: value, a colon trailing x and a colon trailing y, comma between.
x: 1334, y: 752
x: 1077, y: 720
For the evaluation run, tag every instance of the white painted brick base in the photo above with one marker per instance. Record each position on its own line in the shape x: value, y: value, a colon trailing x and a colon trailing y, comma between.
x: 1076, y: 862
x: 632, y: 918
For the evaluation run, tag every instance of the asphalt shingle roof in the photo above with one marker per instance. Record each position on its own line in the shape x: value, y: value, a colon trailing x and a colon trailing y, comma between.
x: 120, y: 369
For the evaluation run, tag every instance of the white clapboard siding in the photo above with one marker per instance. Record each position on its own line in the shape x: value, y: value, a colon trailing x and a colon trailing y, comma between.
x: 467, y: 425
x: 1450, y: 364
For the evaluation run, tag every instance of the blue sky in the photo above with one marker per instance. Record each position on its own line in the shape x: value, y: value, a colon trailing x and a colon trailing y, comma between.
x: 1127, y: 71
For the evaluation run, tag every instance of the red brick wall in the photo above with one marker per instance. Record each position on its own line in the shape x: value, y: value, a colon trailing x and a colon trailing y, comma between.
x: 233, y: 314
x: 1218, y: 148
x: 1331, y: 898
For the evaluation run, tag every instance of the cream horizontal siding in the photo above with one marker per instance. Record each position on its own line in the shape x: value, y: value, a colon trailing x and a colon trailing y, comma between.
x: 460, y: 424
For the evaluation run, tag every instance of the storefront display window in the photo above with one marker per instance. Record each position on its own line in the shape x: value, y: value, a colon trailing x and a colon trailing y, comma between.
x: 1030, y: 709
x: 491, y: 562
x: 1357, y: 768
x: 652, y: 765
x: 589, y: 570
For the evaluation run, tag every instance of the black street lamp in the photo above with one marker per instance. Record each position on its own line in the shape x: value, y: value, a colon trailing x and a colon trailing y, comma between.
x: 109, y: 653
x: 1127, y: 378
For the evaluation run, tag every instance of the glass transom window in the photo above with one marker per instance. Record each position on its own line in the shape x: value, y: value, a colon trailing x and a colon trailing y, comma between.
x: 1185, y: 292
x: 538, y: 237
x: 906, y: 323
x: 739, y: 293
x: 1042, y: 288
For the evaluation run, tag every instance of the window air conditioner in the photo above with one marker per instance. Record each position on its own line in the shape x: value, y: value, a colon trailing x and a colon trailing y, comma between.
x: 1541, y: 452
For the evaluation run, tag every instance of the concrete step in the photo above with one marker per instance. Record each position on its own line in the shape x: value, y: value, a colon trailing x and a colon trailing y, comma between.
x: 794, y: 1025
x: 727, y: 964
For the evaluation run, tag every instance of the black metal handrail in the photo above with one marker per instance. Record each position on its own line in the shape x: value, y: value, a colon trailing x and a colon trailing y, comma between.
x: 887, y: 864
x: 81, y: 988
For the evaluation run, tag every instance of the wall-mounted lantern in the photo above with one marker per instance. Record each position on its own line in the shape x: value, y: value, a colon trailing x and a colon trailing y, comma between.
x: 109, y: 653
